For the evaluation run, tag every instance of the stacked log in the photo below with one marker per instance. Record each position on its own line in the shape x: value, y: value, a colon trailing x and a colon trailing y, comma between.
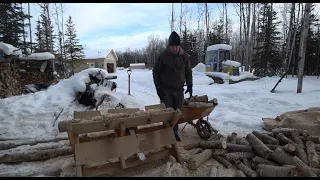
x: 285, y: 152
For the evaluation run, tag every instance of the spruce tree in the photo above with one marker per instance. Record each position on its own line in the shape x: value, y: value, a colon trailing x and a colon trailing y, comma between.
x: 74, y: 51
x: 267, y: 60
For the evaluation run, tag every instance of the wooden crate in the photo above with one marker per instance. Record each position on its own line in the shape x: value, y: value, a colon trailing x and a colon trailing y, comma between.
x: 121, y: 143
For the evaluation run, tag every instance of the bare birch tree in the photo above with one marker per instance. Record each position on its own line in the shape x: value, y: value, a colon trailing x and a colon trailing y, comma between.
x: 303, y: 40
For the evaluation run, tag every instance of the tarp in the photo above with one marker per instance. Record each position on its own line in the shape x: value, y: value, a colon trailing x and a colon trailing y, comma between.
x: 307, y: 119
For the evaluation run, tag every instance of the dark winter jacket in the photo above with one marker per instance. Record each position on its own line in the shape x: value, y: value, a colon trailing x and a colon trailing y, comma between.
x: 172, y: 70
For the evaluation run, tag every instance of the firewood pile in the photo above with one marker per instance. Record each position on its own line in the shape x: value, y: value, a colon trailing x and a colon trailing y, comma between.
x: 200, y: 102
x: 284, y: 152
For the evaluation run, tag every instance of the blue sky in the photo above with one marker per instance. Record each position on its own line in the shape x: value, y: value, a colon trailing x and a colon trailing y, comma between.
x: 105, y: 26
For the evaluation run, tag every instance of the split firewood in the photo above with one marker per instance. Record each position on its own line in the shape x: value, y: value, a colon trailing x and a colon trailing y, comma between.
x: 272, y: 146
x: 242, y: 141
x: 192, y: 153
x: 222, y: 161
x: 232, y: 138
x: 191, y: 146
x: 200, y: 104
x: 284, y: 140
x: 219, y: 152
x: 316, y: 171
x: 240, y: 173
x: 301, y: 154
x: 295, y: 137
x: 199, y: 99
x: 265, y: 138
x: 315, y: 139
x: 260, y: 148
x: 36, y: 155
x: 246, y: 162
x: 214, y: 171
x: 221, y: 144
x: 264, y: 170
x: 290, y: 148
x: 282, y: 157
x: 258, y: 160
x: 312, y: 155
x: 235, y: 156
x: 199, y: 159
x: 247, y: 171
x: 303, y: 168
x: 238, y: 148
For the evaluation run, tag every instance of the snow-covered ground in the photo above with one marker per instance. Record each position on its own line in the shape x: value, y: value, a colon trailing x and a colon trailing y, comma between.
x: 241, y: 109
x: 241, y: 106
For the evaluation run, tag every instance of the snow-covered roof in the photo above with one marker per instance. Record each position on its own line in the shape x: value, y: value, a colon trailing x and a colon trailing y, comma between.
x: 138, y: 64
x: 112, y: 55
x: 221, y: 75
x: 39, y: 56
x: 8, y: 49
x: 219, y: 47
x: 231, y: 63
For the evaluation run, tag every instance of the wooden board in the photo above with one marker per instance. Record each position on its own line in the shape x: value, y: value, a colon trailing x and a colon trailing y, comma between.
x: 103, y: 150
x: 131, y: 162
x: 89, y: 127
x: 125, y: 110
x: 85, y: 114
x: 156, y: 106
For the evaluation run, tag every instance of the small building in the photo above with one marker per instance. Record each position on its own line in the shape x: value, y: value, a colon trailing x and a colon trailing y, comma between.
x: 109, y: 63
x: 137, y: 66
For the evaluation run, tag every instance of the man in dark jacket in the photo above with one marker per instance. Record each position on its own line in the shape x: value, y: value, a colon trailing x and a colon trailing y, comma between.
x: 171, y: 70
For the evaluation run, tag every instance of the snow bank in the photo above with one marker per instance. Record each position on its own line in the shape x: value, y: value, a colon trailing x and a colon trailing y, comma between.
x: 231, y: 63
x: 39, y: 56
x: 137, y: 64
x: 199, y: 68
x: 8, y: 49
x: 243, y: 75
x: 219, y: 46
x: 221, y: 75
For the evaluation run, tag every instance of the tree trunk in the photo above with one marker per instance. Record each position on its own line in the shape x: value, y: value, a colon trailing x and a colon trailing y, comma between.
x: 290, y: 148
x: 222, y: 161
x: 272, y: 146
x: 264, y: 170
x: 238, y: 148
x: 301, y: 153
x: 279, y: 155
x: 295, y: 137
x: 303, y: 41
x: 258, y: 160
x: 284, y: 140
x: 199, y: 159
x: 265, y: 138
x: 242, y: 141
x: 312, y: 154
x: 232, y: 138
x: 303, y: 168
x: 240, y: 173
x: 220, y: 144
x: 30, y: 32
x: 192, y: 153
x: 235, y: 156
x: 259, y: 147
x: 247, y: 171
x: 214, y: 172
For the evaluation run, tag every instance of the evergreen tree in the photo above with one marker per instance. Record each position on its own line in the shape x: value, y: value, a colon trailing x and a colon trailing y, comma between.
x: 12, y: 25
x: 74, y: 51
x: 267, y: 60
x: 188, y: 43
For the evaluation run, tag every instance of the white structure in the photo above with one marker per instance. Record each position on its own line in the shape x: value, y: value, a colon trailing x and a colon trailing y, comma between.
x: 110, y: 62
x: 137, y: 66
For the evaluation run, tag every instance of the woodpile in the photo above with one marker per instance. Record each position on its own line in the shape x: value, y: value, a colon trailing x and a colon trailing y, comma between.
x: 9, y: 78
x: 284, y: 152
x: 200, y: 102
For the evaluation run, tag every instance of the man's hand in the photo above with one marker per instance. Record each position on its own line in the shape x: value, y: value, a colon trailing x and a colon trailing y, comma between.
x: 189, y: 90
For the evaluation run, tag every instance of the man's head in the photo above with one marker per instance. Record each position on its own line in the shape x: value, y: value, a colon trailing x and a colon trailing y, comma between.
x: 174, y: 42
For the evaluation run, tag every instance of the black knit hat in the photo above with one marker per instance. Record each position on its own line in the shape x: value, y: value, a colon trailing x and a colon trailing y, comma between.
x: 174, y: 39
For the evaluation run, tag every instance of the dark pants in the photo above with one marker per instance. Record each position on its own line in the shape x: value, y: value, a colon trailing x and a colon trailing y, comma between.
x: 174, y: 99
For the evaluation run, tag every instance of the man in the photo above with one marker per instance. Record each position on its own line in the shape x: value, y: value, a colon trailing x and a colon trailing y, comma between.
x: 170, y: 72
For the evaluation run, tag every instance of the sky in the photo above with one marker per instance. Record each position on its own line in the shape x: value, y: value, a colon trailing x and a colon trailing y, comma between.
x: 104, y: 26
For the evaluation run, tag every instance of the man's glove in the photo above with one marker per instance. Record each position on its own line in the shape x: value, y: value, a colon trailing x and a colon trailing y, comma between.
x: 189, y: 90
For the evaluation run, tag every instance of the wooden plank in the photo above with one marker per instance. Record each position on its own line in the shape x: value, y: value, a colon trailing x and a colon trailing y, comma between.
x: 131, y: 162
x: 156, y: 106
x: 104, y: 150
x: 177, y: 115
x: 124, y: 110
x: 71, y: 139
x: 122, y: 131
x: 78, y: 167
x: 85, y: 114
x: 89, y: 127
x: 174, y: 148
